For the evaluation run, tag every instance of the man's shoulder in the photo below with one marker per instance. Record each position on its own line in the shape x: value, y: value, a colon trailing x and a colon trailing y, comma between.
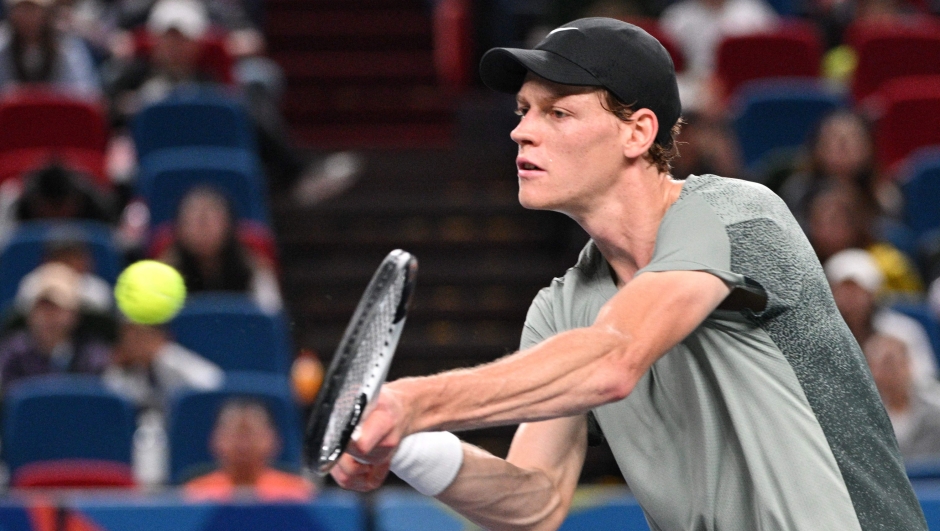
x: 737, y: 200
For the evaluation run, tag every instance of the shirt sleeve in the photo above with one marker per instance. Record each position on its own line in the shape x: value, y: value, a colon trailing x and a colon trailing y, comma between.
x: 539, y: 324
x: 691, y: 237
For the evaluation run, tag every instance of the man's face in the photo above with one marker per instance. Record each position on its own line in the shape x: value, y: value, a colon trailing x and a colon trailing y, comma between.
x: 855, y: 303
x: 244, y: 441
x: 890, y: 365
x: 175, y: 53
x: 570, y: 146
x: 51, y: 324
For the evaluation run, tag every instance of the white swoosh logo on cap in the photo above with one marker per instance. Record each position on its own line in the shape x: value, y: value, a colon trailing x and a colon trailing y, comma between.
x: 556, y: 30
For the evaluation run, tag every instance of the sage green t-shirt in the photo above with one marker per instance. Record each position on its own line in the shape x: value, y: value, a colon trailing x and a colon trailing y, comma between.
x: 763, y: 418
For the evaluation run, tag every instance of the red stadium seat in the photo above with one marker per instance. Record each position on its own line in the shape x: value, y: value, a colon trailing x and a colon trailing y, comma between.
x: 891, y: 50
x: 39, y: 125
x: 74, y: 473
x: 651, y: 26
x: 791, y: 50
x: 910, y: 118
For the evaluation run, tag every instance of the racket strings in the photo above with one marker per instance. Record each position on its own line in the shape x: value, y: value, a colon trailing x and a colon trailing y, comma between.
x: 369, y: 345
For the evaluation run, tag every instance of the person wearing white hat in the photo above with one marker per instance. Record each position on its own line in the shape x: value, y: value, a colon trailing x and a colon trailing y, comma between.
x: 51, y: 344
x: 856, y: 280
x: 33, y: 51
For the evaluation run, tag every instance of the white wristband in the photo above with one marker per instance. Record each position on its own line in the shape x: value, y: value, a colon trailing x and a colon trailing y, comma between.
x: 428, y: 461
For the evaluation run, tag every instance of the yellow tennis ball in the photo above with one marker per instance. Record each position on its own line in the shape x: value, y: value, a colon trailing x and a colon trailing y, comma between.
x: 150, y: 292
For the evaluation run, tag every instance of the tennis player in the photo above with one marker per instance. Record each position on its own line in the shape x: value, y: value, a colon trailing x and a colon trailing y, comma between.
x: 697, y: 333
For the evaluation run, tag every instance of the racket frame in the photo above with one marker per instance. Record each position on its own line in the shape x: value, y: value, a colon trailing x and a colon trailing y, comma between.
x: 396, y: 262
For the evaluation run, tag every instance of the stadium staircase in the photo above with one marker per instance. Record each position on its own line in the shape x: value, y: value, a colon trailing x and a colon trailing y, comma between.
x: 359, y: 73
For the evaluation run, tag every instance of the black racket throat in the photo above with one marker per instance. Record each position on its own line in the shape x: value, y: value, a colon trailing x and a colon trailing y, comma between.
x: 361, y: 361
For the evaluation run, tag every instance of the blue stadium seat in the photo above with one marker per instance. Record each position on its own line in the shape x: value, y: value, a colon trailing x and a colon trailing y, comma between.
x: 287, y: 517
x: 26, y: 248
x: 331, y: 510
x: 233, y: 332
x: 593, y: 508
x: 771, y: 117
x: 923, y: 315
x: 193, y: 414
x: 14, y: 517
x: 193, y: 117
x: 65, y: 417
x: 407, y: 510
x: 921, y: 189
x: 605, y: 508
x: 168, y: 174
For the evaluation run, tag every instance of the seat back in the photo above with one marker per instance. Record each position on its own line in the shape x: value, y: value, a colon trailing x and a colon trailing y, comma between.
x: 891, y: 50
x: 911, y: 118
x: 73, y: 473
x: 193, y: 415
x: 793, y: 108
x: 65, y: 417
x: 38, y: 125
x: 233, y: 332
x: 921, y: 189
x: 167, y: 176
x: 791, y: 50
x: 193, y: 118
x: 26, y: 249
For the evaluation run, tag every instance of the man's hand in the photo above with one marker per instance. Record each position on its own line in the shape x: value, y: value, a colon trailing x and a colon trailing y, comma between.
x: 365, y: 464
x: 386, y: 423
x: 355, y: 475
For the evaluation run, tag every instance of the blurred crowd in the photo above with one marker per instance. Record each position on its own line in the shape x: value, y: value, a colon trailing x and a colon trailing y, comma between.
x: 113, y: 59
x: 127, y: 55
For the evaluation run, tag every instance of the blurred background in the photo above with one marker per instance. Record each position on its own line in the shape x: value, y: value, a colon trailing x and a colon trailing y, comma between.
x: 275, y: 150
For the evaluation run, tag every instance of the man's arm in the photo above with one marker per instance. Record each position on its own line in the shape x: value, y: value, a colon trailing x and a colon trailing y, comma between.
x: 565, y: 375
x: 531, y: 489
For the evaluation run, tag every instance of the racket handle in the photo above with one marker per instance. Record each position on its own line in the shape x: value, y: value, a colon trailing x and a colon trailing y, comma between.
x: 428, y: 461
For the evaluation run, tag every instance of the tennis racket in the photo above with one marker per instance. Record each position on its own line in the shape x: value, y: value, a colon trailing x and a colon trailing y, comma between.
x: 361, y: 362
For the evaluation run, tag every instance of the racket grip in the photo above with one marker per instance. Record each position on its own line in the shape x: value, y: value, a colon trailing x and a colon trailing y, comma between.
x: 428, y: 461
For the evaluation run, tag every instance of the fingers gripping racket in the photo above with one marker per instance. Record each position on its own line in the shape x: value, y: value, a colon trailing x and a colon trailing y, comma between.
x: 361, y: 361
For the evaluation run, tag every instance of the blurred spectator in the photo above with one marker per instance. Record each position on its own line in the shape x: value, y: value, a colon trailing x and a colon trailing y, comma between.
x: 51, y: 342
x: 58, y: 192
x: 855, y: 281
x: 148, y: 366
x: 916, y: 419
x: 840, y: 218
x: 707, y: 146
x: 840, y: 151
x: 33, y: 50
x: 244, y: 443
x: 206, y: 251
x: 698, y: 27
x: 176, y: 27
x: 95, y: 293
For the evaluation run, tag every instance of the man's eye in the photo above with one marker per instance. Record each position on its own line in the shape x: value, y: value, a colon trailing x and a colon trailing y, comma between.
x: 521, y: 111
x: 559, y: 114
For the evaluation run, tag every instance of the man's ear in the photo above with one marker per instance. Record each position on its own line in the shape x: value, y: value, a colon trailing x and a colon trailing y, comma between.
x: 640, y: 133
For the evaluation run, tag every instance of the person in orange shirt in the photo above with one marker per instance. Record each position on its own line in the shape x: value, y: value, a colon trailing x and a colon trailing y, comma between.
x: 244, y: 443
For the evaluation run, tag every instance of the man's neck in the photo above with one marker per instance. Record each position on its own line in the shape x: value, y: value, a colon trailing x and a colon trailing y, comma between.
x: 624, y: 223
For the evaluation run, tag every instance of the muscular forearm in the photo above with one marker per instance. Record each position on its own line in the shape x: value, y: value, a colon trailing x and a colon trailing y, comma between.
x: 565, y: 375
x: 501, y: 496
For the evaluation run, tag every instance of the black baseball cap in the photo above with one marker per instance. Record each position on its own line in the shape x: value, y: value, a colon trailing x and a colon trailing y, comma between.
x: 596, y: 52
